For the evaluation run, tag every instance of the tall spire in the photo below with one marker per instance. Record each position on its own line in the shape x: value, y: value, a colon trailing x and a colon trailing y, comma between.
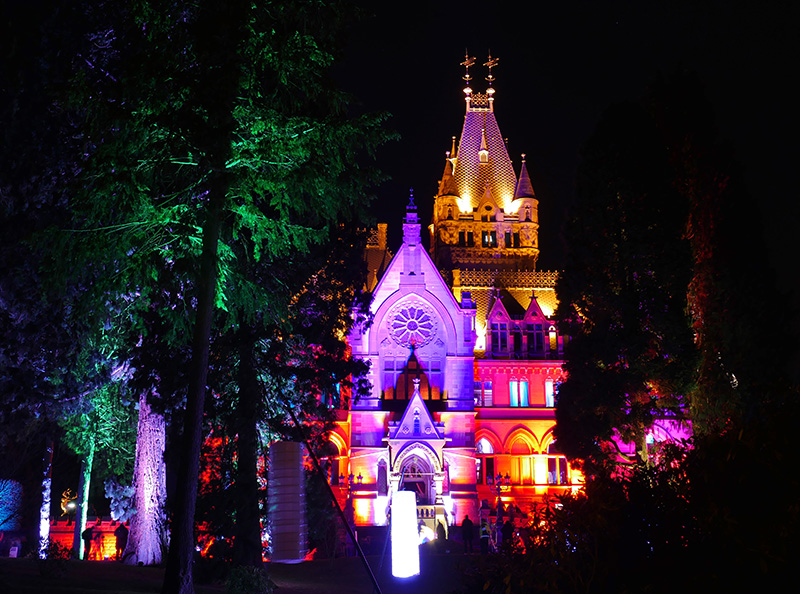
x: 447, y: 187
x: 411, y: 226
x: 524, y: 186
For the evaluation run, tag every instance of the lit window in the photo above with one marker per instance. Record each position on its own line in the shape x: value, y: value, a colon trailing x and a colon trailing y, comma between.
x: 553, y: 339
x: 518, y: 392
x: 484, y: 446
x: 549, y: 395
x: 557, y: 470
x: 487, y: 393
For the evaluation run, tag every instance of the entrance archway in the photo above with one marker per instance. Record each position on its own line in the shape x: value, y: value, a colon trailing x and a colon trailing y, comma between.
x: 417, y: 476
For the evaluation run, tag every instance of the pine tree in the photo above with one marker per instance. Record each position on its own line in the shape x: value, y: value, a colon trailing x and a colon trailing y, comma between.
x: 208, y: 123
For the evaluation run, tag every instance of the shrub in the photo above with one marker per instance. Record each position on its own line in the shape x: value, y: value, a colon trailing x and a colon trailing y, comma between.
x: 56, y: 563
x: 249, y: 580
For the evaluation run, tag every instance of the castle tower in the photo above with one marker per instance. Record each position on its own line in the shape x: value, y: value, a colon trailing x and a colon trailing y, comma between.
x: 485, y: 228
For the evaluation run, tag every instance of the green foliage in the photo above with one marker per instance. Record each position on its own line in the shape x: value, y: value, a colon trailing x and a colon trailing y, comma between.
x: 107, y: 418
x: 249, y: 580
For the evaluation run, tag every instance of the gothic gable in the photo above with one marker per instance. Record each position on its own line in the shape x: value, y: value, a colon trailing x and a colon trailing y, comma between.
x: 416, y: 423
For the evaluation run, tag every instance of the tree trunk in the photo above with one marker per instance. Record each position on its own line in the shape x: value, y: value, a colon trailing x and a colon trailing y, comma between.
x: 147, y: 535
x: 44, y: 511
x: 83, y: 498
x: 178, y: 573
x: 247, y: 544
x: 220, y: 30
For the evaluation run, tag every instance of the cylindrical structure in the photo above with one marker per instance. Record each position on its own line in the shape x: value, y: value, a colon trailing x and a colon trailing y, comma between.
x: 287, y: 502
x: 405, y: 537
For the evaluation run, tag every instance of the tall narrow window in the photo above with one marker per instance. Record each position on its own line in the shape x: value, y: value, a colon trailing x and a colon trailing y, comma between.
x: 383, y: 483
x: 489, y: 472
x: 487, y: 393
x: 470, y: 239
x: 508, y: 239
x: 523, y: 393
x: 495, y: 338
x: 462, y: 239
x: 518, y: 392
x: 478, y: 394
x: 549, y: 394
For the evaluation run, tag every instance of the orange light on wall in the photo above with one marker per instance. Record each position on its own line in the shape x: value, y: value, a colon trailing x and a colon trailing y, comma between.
x: 362, y: 511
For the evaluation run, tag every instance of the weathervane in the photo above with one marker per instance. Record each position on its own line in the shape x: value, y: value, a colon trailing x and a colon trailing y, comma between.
x: 491, y: 64
x: 468, y: 61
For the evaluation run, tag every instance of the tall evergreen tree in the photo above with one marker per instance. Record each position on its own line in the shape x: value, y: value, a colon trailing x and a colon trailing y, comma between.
x: 205, y: 123
x: 623, y: 291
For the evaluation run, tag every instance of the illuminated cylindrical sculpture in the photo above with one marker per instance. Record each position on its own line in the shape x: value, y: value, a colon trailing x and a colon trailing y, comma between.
x: 405, y: 539
x: 287, y: 502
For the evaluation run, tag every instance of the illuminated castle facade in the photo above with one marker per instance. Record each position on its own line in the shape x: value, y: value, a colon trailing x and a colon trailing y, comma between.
x: 464, y: 356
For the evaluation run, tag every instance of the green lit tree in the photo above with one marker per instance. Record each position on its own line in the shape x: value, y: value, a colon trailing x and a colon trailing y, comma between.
x: 210, y: 123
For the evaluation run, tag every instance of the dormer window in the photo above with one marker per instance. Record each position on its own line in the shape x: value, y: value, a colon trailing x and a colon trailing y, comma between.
x: 483, y: 156
x: 499, y: 338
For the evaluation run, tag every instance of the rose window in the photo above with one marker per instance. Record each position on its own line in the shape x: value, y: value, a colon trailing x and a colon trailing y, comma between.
x: 412, y: 325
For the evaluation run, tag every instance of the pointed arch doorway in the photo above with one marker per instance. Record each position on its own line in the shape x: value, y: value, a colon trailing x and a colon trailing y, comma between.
x: 417, y: 476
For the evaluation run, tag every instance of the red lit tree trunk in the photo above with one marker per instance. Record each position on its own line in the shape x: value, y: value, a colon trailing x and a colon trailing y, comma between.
x: 247, y: 545
x: 147, y: 535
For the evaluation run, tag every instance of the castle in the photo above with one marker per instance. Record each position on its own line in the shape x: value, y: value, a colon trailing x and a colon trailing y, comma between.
x: 465, y: 359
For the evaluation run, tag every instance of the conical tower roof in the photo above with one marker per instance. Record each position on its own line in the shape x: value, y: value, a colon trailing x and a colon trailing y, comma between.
x: 472, y: 176
x: 447, y: 186
x: 524, y: 185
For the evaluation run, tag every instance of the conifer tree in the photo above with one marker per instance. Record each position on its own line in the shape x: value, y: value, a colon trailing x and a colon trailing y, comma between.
x: 207, y: 123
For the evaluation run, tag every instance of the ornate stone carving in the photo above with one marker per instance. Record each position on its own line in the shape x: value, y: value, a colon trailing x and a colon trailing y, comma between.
x: 412, y: 323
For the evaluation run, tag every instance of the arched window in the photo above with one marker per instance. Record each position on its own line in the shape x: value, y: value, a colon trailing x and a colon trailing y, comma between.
x: 484, y: 446
x: 383, y: 483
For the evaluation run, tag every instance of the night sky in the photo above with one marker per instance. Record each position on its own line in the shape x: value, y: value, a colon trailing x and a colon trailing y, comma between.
x: 561, y: 65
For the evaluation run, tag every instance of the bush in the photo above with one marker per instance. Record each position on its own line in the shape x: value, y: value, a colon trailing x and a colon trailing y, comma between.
x: 249, y: 580
x: 56, y: 563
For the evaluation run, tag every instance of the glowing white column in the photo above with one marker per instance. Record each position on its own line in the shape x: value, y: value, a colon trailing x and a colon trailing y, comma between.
x: 287, y: 503
x: 405, y: 540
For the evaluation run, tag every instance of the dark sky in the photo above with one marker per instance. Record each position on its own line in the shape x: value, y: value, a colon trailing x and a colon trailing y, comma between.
x: 561, y: 65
